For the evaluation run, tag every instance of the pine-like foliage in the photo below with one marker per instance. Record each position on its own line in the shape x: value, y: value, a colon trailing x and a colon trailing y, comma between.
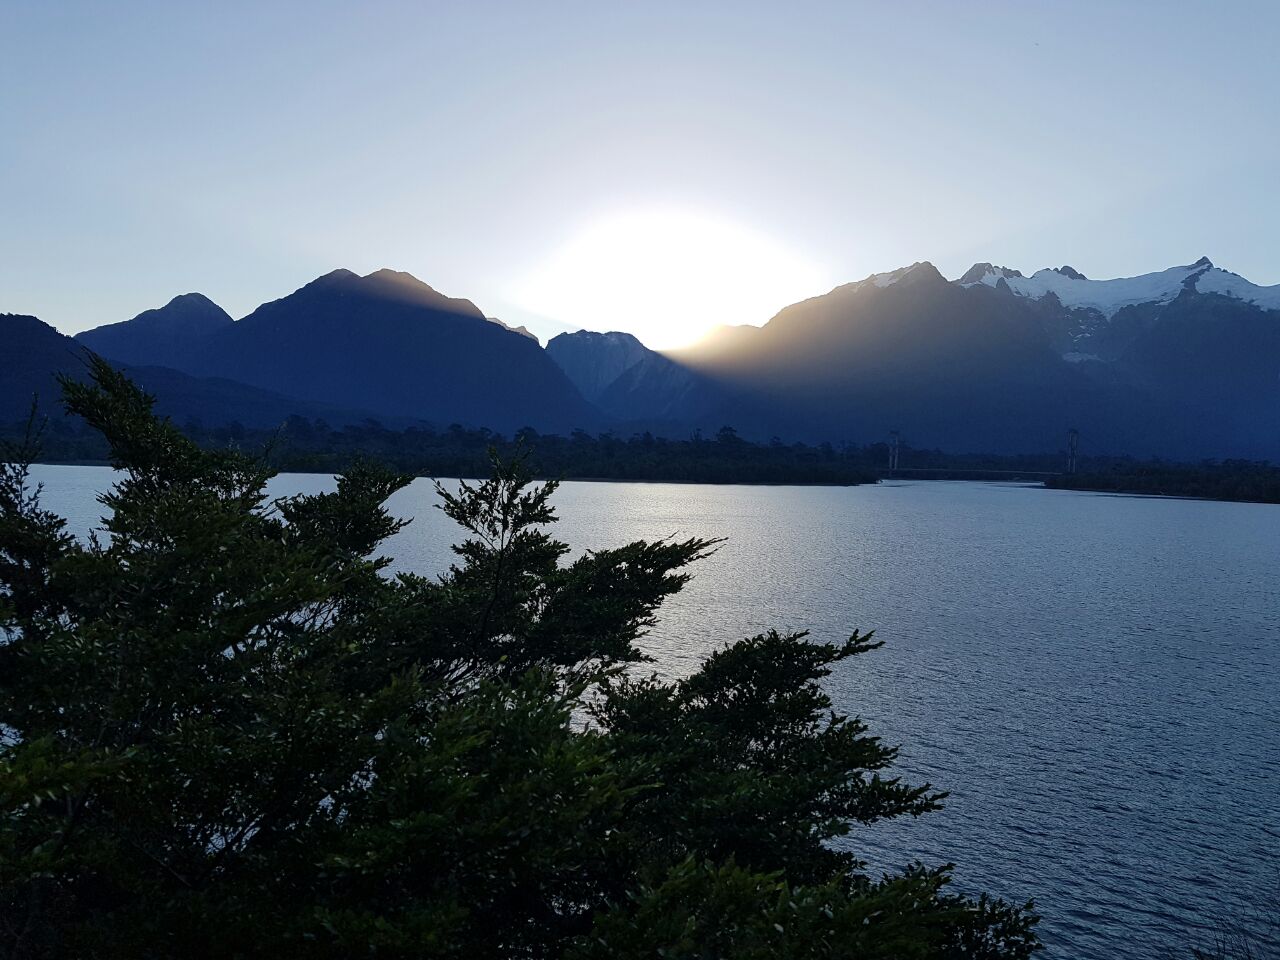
x: 226, y: 731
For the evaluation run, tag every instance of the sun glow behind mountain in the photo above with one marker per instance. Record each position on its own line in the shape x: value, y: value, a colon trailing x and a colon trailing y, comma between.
x: 668, y: 277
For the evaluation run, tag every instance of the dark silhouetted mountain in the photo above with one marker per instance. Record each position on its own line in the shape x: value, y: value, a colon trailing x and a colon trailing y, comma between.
x: 664, y: 396
x: 391, y: 344
x: 522, y: 330
x: 638, y: 387
x: 592, y: 361
x: 1213, y: 363
x: 1184, y: 362
x: 907, y: 351
x: 34, y: 354
x: 40, y: 353
x: 387, y: 343
x: 167, y: 336
x: 1202, y: 343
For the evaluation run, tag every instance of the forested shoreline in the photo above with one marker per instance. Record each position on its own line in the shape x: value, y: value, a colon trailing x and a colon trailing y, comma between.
x: 313, y: 446
x: 1234, y: 480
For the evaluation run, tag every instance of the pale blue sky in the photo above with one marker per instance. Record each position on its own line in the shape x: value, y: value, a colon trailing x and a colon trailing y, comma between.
x: 241, y: 149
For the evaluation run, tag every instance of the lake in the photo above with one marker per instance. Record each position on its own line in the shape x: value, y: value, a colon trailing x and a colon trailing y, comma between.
x: 1094, y: 678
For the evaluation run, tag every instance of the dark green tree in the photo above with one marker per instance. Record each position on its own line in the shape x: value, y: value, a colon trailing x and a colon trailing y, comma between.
x: 226, y: 731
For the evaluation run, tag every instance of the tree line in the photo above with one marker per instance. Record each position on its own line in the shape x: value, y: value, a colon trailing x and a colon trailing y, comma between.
x: 1242, y: 480
x: 314, y: 446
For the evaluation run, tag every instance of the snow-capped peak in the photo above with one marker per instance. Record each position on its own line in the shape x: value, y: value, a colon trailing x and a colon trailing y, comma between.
x: 987, y: 273
x: 1108, y: 297
x: 919, y: 268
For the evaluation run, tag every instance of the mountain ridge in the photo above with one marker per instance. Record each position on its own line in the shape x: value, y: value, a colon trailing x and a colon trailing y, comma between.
x: 1073, y: 289
x: 995, y: 361
x: 1182, y: 361
x: 46, y: 353
x: 385, y: 342
x: 160, y: 335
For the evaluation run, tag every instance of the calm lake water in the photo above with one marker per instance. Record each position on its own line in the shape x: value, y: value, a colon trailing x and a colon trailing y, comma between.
x: 1095, y: 679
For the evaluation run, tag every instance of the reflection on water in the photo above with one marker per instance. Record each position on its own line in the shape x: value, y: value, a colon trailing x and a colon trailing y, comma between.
x: 1093, y: 678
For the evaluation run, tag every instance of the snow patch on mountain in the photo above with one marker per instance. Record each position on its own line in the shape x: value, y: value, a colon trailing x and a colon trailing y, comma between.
x: 894, y: 276
x: 979, y: 273
x: 1108, y: 297
x: 1230, y: 284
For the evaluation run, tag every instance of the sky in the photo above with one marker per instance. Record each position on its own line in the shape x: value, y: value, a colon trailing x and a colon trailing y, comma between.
x: 654, y: 167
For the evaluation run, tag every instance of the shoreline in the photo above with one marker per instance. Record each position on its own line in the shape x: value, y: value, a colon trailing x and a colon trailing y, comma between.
x: 1117, y: 492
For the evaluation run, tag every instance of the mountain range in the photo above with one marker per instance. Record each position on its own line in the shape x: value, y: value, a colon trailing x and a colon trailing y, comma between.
x: 386, y: 343
x: 1182, y: 363
x: 36, y: 353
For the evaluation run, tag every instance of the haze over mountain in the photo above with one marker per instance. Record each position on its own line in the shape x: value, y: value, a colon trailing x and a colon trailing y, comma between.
x: 907, y: 351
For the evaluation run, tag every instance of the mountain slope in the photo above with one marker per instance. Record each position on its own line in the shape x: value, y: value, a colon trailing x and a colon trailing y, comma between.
x: 1212, y: 361
x: 1183, y: 362
x: 40, y: 353
x: 1076, y: 291
x: 1099, y: 320
x: 721, y: 339
x: 592, y: 361
x: 663, y: 395
x: 166, y: 336
x: 391, y: 344
x: 522, y: 330
x: 36, y: 353
x: 641, y: 388
x: 910, y: 351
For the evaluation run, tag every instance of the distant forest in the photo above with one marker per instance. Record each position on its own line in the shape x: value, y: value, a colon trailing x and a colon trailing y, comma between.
x: 313, y: 446
x: 1244, y: 480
